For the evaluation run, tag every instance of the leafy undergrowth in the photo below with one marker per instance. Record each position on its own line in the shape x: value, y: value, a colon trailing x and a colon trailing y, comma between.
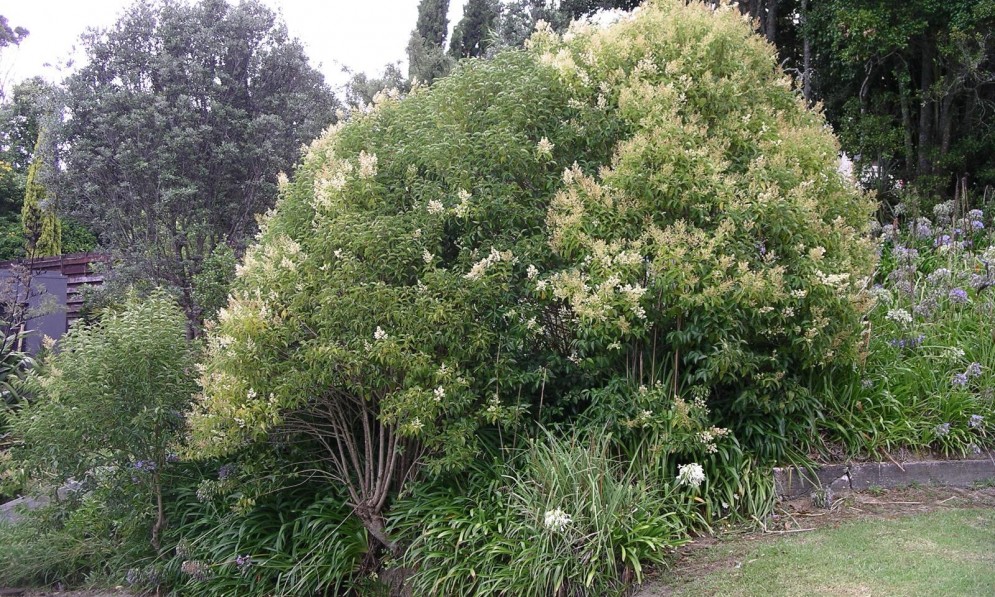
x: 928, y: 541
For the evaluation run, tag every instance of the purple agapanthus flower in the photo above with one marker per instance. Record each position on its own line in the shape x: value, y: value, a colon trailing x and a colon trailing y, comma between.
x: 243, y: 562
x: 979, y: 281
x: 958, y: 296
x: 910, y: 343
x: 904, y: 253
x: 938, y: 276
x: 973, y: 370
x: 942, y: 429
x: 226, y: 471
x: 976, y: 421
x: 959, y: 379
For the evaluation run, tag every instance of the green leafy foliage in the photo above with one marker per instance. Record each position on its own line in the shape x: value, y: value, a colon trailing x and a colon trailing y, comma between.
x: 76, y: 238
x: 906, y: 83
x: 42, y: 227
x: 109, y: 404
x: 599, y: 211
x: 427, y: 59
x: 211, y: 283
x: 472, y: 36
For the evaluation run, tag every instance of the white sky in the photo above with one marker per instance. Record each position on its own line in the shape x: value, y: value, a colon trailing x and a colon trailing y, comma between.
x: 363, y: 35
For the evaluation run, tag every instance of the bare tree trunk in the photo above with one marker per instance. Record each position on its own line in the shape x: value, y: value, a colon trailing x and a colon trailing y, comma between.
x: 946, y: 122
x: 806, y: 55
x: 907, y: 126
x: 770, y: 23
x: 160, y: 513
x: 926, y: 109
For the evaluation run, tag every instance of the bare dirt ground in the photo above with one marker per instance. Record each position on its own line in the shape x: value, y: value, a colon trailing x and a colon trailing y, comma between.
x: 719, y: 552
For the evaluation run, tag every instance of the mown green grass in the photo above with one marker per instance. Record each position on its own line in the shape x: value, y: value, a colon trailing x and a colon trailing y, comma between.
x: 941, y: 553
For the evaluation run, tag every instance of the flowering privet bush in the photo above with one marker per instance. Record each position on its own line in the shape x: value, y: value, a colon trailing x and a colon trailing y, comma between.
x: 928, y: 376
x: 607, y: 209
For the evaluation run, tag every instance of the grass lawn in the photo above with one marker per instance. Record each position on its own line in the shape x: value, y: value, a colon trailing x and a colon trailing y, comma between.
x: 942, y: 552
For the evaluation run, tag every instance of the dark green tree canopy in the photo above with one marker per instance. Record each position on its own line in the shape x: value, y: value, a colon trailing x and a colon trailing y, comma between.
x: 911, y: 85
x: 178, y: 127
x: 433, y: 21
x: 473, y: 34
x: 427, y: 58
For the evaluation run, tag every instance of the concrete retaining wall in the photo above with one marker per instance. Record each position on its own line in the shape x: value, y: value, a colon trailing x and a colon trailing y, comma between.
x: 791, y: 482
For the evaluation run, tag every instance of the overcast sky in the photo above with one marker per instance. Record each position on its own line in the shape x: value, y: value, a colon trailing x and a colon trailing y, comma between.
x: 363, y: 35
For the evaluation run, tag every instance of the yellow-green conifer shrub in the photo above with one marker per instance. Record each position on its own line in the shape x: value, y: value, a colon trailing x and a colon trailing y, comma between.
x: 601, y: 212
x: 41, y: 225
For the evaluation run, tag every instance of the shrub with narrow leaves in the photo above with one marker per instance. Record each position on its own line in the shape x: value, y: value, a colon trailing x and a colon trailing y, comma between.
x: 609, y: 208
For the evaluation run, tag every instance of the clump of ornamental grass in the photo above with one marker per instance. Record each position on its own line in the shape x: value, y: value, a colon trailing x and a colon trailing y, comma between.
x: 606, y: 209
x: 563, y: 518
x: 927, y: 380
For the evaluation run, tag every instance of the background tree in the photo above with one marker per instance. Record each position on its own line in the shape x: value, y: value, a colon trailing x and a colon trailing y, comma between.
x: 473, y: 34
x: 177, y: 129
x: 9, y: 36
x: 427, y: 59
x: 361, y: 88
x: 911, y: 85
x: 21, y: 117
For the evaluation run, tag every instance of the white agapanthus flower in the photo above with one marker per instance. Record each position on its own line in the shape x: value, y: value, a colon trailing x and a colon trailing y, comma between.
x: 690, y: 474
x: 900, y: 316
x: 557, y: 520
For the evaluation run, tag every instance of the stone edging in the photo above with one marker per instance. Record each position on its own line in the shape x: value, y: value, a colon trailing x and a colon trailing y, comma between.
x: 792, y: 482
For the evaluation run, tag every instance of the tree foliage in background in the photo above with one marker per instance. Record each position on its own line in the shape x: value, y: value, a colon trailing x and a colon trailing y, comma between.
x: 473, y: 35
x: 9, y: 36
x: 177, y: 128
x: 911, y: 85
x: 21, y: 117
x: 427, y: 59
x: 598, y: 215
x: 362, y: 88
